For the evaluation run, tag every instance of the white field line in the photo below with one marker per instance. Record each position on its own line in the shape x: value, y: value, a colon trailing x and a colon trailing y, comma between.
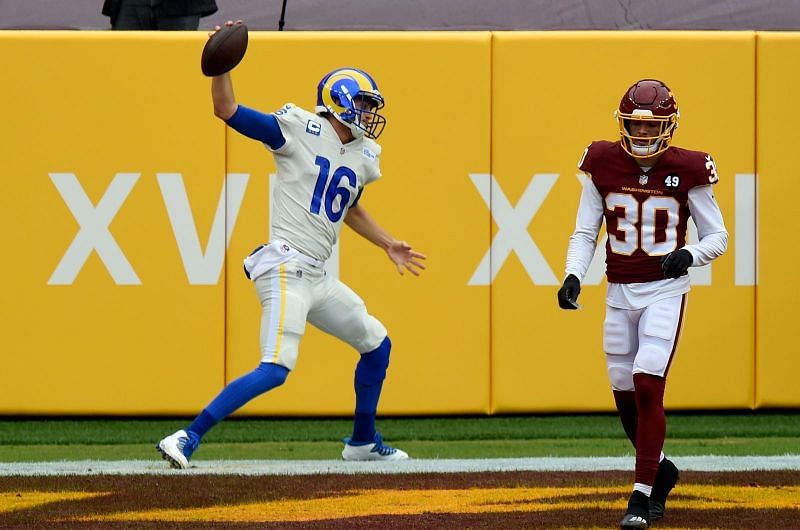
x: 335, y: 467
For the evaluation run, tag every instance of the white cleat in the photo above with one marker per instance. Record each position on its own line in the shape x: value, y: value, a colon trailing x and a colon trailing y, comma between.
x: 375, y: 450
x: 176, y: 449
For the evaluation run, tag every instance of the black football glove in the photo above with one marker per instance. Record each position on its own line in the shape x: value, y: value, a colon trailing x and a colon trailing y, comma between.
x: 675, y: 264
x: 568, y: 294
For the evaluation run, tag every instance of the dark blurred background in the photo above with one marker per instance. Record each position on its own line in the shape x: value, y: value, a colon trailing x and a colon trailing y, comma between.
x: 443, y: 14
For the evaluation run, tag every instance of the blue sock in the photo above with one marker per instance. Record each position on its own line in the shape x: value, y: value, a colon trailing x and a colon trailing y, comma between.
x: 266, y: 377
x: 370, y: 373
x: 201, y: 425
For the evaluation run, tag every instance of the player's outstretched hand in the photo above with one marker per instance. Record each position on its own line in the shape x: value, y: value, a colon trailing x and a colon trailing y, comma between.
x: 404, y: 257
x: 675, y: 264
x: 224, y: 49
x: 568, y: 294
x: 227, y: 24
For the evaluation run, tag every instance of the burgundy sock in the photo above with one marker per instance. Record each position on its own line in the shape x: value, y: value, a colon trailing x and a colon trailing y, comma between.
x: 651, y: 427
x: 626, y: 406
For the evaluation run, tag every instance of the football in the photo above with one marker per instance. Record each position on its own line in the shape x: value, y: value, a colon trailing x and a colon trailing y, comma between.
x: 224, y: 50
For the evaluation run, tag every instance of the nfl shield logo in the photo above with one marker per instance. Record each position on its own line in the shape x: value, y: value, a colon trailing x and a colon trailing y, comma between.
x: 643, y: 179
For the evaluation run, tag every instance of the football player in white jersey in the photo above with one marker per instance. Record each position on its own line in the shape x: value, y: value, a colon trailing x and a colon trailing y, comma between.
x: 324, y: 160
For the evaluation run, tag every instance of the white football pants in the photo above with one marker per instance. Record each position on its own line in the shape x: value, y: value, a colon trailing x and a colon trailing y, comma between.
x: 295, y: 292
x: 641, y: 340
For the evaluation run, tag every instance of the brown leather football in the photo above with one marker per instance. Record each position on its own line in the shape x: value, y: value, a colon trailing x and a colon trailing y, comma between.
x: 224, y: 50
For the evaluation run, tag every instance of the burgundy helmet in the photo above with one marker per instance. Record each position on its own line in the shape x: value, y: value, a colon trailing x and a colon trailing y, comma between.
x: 647, y: 100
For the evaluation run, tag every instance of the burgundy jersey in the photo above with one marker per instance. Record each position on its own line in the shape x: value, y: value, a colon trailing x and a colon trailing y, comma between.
x: 645, y: 212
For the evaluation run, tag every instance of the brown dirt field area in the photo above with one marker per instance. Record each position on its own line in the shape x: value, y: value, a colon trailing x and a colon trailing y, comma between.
x: 503, y: 500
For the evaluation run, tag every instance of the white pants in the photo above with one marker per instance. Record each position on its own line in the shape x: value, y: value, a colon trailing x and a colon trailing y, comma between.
x: 641, y: 340
x: 295, y: 292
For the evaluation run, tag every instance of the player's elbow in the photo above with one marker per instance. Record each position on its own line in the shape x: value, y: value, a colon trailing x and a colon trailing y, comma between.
x: 583, y: 237
x: 723, y: 242
x: 717, y: 243
x: 224, y: 111
x: 353, y: 216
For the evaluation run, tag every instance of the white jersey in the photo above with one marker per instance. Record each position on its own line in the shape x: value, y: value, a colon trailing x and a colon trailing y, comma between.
x: 319, y: 178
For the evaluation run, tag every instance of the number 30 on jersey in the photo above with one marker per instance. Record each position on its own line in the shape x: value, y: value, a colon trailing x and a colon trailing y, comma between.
x: 654, y: 242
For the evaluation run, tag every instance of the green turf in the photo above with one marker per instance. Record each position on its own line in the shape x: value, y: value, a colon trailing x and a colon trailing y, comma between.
x: 475, y: 437
x: 112, y: 431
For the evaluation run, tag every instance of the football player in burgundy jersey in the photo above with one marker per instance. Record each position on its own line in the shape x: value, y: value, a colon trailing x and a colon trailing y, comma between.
x: 645, y: 189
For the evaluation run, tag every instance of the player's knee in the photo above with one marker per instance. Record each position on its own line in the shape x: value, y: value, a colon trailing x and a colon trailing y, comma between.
x: 652, y: 359
x: 271, y: 375
x: 620, y: 376
x: 367, y: 332
x: 371, y: 368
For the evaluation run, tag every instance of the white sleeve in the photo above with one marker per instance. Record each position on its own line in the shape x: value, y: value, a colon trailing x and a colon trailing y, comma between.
x: 710, y: 227
x: 288, y: 118
x: 372, y: 151
x: 583, y: 240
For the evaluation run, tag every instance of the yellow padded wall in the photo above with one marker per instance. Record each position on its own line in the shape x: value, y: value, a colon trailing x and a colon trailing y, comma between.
x: 777, y: 359
x: 120, y: 300
x: 99, y: 312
